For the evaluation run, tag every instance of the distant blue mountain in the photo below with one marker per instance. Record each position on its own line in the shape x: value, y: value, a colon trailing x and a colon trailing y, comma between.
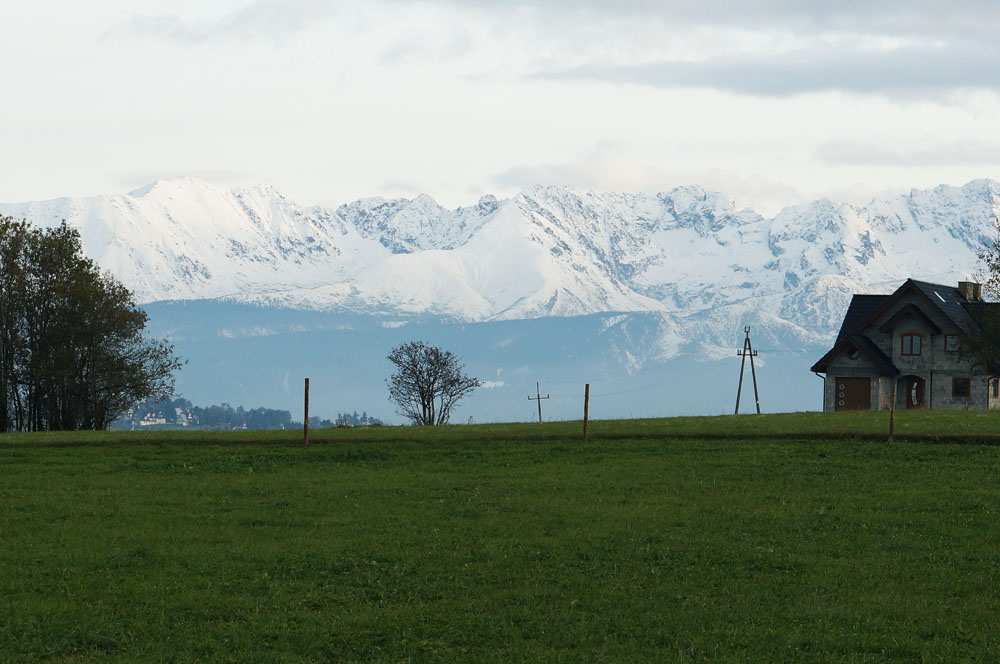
x: 247, y: 354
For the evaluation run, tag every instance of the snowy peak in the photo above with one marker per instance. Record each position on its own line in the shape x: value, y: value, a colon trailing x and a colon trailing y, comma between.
x: 687, y: 254
x: 405, y: 226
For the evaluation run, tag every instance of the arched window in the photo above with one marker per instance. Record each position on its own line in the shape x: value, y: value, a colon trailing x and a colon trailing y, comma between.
x: 910, y: 344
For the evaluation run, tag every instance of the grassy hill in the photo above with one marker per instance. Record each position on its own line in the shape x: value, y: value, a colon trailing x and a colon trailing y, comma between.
x: 776, y: 538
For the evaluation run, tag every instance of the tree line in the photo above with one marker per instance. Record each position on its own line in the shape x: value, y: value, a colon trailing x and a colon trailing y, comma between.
x: 73, y: 348
x: 182, y: 412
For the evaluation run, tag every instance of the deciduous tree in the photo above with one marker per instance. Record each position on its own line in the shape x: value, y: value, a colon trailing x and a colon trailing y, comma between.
x: 73, y: 349
x: 428, y: 382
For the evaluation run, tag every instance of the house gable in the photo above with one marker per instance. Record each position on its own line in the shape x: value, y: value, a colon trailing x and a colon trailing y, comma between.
x: 867, y: 352
x: 909, y: 311
x: 907, y: 343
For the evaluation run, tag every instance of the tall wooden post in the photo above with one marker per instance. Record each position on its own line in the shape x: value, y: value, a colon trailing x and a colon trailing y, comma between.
x: 305, y: 417
x: 753, y: 373
x: 747, y: 351
x: 739, y: 388
x: 892, y: 411
x: 586, y: 410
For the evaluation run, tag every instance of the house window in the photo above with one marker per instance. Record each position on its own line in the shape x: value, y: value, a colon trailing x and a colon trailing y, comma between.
x: 951, y: 343
x: 961, y: 388
x: 853, y: 353
x: 910, y: 344
x: 996, y: 388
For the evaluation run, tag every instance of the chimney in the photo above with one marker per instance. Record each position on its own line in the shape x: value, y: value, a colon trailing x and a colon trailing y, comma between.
x: 970, y: 290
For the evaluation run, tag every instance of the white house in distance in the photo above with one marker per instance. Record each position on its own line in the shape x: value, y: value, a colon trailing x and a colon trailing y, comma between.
x: 909, y: 339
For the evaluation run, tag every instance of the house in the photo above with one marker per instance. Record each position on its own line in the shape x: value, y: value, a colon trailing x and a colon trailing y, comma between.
x: 910, y: 341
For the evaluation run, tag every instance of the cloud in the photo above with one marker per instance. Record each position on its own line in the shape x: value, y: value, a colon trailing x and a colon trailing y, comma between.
x: 909, y: 71
x: 916, y: 153
x: 753, y: 190
x: 919, y: 17
x: 404, y: 188
x: 225, y: 178
x: 768, y: 48
x: 273, y: 19
x: 605, y: 170
x: 600, y: 171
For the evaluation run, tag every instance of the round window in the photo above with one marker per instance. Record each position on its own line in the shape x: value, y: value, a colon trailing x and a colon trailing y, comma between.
x: 853, y: 353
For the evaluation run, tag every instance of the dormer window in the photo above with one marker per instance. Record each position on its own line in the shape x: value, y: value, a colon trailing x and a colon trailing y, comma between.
x: 910, y: 344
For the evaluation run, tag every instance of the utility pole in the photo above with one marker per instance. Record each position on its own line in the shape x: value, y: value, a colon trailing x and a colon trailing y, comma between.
x: 747, y: 351
x: 538, y: 397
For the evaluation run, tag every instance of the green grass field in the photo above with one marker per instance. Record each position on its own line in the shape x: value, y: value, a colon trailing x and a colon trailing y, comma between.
x: 775, y: 538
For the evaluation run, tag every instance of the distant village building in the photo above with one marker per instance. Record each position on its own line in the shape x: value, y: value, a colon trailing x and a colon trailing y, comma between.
x: 911, y: 340
x: 183, y: 417
x: 152, y: 419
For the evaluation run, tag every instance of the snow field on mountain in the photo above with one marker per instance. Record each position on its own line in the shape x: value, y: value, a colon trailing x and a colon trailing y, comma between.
x: 686, y: 254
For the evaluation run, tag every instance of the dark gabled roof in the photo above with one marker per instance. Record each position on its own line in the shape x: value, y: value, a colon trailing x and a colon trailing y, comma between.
x: 946, y: 299
x: 882, y: 364
x: 949, y: 300
x: 861, y: 307
x: 864, y: 309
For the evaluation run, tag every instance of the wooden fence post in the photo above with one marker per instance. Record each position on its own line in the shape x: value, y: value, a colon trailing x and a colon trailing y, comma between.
x: 892, y: 411
x: 305, y: 417
x: 586, y: 410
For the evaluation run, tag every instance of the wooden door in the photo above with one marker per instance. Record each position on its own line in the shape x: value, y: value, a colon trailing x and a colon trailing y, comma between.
x: 853, y: 394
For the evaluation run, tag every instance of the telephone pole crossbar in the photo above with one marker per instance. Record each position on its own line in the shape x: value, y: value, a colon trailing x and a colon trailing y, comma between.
x: 747, y: 351
x: 538, y: 397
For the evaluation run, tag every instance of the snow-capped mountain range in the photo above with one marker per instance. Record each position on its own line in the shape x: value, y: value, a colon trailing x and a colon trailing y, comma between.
x: 687, y: 254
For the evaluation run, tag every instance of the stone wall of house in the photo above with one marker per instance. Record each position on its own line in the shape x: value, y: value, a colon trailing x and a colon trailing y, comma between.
x: 842, y: 366
x: 936, y: 365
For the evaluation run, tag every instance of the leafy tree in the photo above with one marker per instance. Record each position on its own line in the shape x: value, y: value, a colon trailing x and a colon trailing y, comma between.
x: 428, y: 382
x: 73, y: 353
x: 981, y: 343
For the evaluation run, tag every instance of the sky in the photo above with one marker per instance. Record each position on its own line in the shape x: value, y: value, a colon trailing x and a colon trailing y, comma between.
x: 772, y: 102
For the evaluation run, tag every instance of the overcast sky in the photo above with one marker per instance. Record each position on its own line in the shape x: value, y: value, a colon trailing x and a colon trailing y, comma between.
x: 772, y: 102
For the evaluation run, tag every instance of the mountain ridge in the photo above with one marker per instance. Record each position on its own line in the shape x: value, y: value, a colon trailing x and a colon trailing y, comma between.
x: 687, y: 255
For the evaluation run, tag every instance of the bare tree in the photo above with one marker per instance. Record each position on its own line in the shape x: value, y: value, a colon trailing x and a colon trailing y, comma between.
x: 428, y: 382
